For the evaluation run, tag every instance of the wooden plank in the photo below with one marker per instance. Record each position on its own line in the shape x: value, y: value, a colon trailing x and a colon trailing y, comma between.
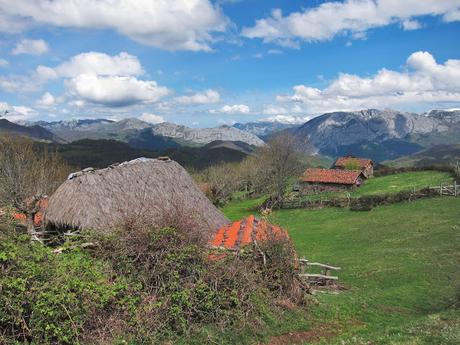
x: 322, y: 276
x: 318, y: 264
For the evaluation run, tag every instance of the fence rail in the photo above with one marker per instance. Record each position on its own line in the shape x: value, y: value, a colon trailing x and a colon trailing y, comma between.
x: 324, y: 278
x: 446, y: 189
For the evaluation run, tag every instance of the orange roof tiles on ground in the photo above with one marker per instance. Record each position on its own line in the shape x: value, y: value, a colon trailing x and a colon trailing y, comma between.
x: 38, y: 219
x: 330, y: 176
x: 245, y: 231
x: 344, y: 161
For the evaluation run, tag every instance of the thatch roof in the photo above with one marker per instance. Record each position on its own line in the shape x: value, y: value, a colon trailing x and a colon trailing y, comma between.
x: 100, y: 199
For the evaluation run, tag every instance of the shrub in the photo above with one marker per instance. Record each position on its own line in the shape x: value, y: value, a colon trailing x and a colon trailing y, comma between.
x: 143, y: 284
x: 48, y: 298
x: 180, y: 289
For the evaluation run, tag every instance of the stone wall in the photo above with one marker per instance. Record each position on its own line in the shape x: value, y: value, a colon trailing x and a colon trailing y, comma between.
x: 315, y: 188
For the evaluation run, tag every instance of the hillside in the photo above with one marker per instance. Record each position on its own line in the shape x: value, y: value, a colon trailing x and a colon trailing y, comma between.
x: 34, y: 132
x: 395, y: 290
x: 213, y: 153
x: 436, y: 155
x: 101, y: 153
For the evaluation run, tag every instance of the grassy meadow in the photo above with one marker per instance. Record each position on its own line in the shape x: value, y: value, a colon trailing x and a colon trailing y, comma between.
x: 400, y: 265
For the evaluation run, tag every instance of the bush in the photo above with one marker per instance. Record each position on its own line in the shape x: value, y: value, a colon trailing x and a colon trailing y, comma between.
x: 48, y: 298
x: 180, y: 289
x: 143, y: 284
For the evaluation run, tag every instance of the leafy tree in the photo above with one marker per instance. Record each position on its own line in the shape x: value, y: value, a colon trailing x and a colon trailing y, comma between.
x: 279, y: 160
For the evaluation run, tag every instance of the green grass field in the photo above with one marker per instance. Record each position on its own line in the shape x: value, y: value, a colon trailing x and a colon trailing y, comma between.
x: 400, y: 266
x: 392, y: 184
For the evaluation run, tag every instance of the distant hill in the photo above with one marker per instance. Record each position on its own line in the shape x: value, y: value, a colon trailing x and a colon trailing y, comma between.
x: 436, y: 155
x: 101, y: 153
x: 213, y: 153
x: 34, y: 132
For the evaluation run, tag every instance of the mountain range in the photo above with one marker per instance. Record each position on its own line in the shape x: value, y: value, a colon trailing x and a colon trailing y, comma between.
x: 35, y: 132
x: 377, y: 134
x: 144, y: 135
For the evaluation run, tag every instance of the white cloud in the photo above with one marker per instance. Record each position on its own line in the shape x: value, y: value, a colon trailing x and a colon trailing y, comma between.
x: 151, y: 118
x: 424, y: 82
x: 351, y: 17
x: 115, y: 91
x: 100, y: 64
x: 32, y: 47
x: 288, y: 119
x: 92, y: 77
x: 452, y: 16
x: 4, y: 63
x: 206, y: 97
x: 170, y: 25
x: 409, y: 25
x: 46, y: 101
x: 274, y: 110
x: 96, y: 63
x: 16, y: 113
x: 235, y: 109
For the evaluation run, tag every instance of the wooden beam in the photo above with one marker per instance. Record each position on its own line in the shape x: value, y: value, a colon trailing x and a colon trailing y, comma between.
x: 322, y: 276
x: 318, y: 264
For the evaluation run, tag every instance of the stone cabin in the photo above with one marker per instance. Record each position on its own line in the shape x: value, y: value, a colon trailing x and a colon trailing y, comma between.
x: 364, y: 164
x: 315, y: 180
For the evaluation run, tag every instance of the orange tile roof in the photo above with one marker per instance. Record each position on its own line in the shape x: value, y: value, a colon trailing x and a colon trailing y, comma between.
x: 362, y: 162
x: 38, y: 219
x: 330, y: 176
x: 244, y: 232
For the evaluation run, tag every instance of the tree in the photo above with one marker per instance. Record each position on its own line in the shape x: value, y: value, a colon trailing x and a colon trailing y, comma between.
x: 222, y: 180
x: 27, y: 174
x: 279, y: 160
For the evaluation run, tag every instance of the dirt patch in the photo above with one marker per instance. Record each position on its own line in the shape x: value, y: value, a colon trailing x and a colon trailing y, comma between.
x: 312, y: 336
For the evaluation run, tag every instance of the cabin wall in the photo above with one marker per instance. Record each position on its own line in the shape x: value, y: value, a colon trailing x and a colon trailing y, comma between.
x: 308, y: 188
x: 368, y: 171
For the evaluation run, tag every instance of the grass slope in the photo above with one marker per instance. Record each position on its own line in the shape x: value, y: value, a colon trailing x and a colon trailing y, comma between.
x: 399, y: 261
x: 436, y: 155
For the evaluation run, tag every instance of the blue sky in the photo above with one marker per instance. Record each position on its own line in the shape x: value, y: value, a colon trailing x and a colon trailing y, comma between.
x: 204, y: 63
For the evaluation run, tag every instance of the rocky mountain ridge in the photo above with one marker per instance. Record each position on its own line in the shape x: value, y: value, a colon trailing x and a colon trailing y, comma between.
x: 147, y: 135
x: 355, y: 132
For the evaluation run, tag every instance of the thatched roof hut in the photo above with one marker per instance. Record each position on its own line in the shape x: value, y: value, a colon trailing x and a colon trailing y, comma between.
x: 100, y: 199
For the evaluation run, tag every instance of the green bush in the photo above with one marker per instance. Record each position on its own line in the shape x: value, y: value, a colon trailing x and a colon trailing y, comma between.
x: 49, y: 298
x: 140, y: 285
x: 182, y: 290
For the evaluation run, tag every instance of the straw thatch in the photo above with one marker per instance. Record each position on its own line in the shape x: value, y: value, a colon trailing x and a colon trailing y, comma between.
x: 101, y: 199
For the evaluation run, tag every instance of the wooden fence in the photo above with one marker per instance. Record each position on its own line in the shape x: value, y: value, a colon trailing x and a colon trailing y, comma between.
x: 324, y: 278
x: 446, y: 189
